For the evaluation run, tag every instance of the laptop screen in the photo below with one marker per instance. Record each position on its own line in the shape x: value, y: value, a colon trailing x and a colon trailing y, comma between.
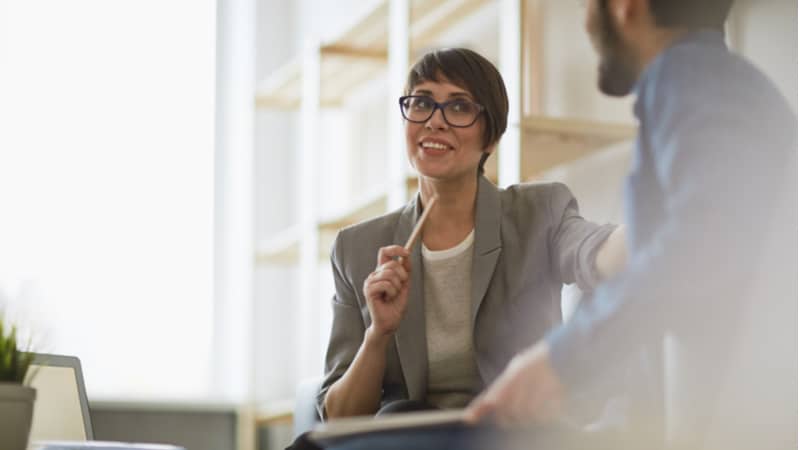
x: 61, y: 410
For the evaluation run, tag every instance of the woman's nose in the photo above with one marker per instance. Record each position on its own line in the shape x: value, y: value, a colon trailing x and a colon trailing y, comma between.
x: 437, y: 122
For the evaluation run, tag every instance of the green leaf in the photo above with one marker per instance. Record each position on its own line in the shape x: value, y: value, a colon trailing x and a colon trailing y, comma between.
x: 14, y: 362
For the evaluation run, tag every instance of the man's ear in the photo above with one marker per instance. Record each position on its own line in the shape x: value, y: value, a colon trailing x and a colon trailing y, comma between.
x: 623, y: 11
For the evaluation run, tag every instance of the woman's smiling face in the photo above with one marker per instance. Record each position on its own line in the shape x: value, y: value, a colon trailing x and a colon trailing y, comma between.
x: 438, y: 150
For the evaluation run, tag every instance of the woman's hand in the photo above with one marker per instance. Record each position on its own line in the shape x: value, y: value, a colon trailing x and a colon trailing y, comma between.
x: 386, y: 289
x: 359, y: 390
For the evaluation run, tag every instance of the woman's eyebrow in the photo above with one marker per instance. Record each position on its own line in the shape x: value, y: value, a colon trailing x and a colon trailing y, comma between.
x: 460, y: 94
x: 451, y: 95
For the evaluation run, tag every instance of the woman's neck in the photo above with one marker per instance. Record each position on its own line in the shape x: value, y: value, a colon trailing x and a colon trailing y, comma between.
x: 454, y: 215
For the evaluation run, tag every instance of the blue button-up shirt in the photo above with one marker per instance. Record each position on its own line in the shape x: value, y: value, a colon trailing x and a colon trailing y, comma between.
x: 714, y: 169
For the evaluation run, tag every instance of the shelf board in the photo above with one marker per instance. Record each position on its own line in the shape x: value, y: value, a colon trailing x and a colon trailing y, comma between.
x: 275, y: 412
x: 282, y: 248
x: 359, y: 53
x: 370, y: 205
x: 279, y: 88
x: 549, y: 141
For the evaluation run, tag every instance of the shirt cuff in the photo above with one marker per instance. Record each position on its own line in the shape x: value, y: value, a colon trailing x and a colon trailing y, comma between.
x: 590, y: 276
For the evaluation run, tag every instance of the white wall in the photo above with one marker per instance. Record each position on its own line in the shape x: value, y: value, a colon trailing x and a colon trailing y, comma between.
x: 275, y: 151
x: 765, y: 32
x: 106, y: 188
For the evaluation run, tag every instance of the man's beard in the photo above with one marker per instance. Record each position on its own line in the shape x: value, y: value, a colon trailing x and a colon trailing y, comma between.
x: 617, y: 72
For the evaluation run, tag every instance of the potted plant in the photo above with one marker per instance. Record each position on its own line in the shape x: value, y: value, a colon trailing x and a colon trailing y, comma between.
x: 16, y: 397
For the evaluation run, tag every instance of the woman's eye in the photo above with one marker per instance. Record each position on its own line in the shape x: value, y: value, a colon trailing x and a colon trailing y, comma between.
x: 422, y: 104
x: 461, y: 107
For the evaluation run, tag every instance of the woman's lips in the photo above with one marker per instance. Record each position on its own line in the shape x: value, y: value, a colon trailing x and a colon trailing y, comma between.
x: 434, y: 151
x: 434, y: 147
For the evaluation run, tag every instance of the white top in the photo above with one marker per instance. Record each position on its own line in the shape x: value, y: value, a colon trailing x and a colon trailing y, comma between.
x: 453, y: 378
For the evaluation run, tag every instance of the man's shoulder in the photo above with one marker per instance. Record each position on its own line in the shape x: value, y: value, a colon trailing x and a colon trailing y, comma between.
x: 700, y: 71
x: 710, y: 82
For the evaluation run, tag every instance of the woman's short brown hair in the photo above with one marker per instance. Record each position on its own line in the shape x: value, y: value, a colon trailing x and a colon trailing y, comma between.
x: 471, y: 71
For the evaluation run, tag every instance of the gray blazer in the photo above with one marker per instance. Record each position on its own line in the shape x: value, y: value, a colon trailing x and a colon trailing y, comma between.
x: 529, y: 240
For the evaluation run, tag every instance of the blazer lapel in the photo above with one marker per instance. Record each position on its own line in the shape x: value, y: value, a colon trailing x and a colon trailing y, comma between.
x: 487, y: 241
x: 410, y: 336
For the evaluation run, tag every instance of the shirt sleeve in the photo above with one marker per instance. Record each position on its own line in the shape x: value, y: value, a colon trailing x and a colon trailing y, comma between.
x: 347, y: 331
x: 575, y: 241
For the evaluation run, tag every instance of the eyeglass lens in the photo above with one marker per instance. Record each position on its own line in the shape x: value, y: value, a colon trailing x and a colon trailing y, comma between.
x: 457, y: 113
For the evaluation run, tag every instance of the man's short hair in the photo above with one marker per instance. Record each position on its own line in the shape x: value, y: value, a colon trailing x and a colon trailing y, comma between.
x: 690, y: 14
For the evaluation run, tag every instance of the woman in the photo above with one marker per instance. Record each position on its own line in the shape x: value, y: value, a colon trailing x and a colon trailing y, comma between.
x: 436, y: 324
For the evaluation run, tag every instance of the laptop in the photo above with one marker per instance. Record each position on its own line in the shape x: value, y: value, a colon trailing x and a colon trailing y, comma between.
x: 61, y: 411
x: 61, y: 418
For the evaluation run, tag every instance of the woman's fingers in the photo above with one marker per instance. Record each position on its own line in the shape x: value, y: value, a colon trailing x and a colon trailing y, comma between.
x: 392, y: 252
x: 392, y: 272
x: 386, y: 288
x: 384, y: 277
x: 393, y: 267
x: 378, y: 288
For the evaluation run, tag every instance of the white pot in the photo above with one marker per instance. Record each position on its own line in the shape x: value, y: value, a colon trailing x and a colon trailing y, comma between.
x: 16, y: 412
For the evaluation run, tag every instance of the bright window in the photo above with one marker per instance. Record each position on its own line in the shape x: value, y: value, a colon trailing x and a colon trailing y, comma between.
x: 106, y: 187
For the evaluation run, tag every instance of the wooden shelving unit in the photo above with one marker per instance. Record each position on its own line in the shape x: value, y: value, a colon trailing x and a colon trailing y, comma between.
x: 370, y: 205
x: 359, y: 53
x: 282, y: 248
x: 549, y: 142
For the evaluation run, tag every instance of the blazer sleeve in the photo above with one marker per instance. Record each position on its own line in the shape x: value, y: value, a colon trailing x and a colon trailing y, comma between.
x: 348, y: 328
x: 574, y: 241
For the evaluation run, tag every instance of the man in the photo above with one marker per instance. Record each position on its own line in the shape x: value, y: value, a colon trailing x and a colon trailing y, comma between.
x: 711, y: 209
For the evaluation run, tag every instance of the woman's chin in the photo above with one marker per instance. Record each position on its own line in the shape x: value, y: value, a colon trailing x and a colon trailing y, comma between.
x: 433, y: 172
x: 440, y: 173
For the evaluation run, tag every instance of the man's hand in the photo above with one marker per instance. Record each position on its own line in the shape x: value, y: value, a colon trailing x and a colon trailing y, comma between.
x: 528, y: 391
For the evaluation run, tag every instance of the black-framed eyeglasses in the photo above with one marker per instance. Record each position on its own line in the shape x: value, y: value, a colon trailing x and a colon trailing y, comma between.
x: 459, y: 113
